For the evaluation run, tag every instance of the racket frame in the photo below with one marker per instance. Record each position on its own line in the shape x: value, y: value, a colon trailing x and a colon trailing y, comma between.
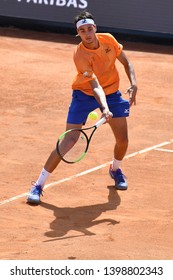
x: 82, y: 130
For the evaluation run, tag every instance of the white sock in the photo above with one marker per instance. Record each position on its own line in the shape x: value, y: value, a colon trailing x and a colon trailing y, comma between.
x: 116, y: 164
x: 43, y: 177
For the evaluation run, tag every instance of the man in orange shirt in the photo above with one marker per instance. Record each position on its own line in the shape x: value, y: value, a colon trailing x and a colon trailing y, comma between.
x: 96, y: 85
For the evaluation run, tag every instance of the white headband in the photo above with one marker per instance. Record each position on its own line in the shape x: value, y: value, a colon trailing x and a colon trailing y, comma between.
x: 84, y: 21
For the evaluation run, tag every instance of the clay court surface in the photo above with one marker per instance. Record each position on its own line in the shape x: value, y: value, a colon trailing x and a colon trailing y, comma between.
x: 81, y: 215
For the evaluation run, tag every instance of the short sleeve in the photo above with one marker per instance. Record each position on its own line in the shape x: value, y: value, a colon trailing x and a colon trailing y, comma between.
x: 118, y: 47
x: 84, y: 68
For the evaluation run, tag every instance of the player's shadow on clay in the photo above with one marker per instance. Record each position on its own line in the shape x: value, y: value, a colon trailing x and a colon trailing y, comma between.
x: 80, y: 218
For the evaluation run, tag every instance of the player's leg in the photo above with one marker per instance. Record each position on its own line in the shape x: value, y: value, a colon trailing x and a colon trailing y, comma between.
x: 54, y: 159
x: 120, y: 109
x: 120, y: 131
x: 79, y: 109
x: 50, y: 165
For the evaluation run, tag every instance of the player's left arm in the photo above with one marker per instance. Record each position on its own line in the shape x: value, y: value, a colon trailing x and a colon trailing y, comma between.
x: 132, y: 90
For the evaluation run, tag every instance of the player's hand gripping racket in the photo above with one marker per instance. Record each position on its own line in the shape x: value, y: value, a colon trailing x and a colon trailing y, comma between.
x: 73, y: 144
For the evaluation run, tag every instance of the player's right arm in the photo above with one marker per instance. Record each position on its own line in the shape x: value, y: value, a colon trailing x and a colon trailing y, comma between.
x: 101, y: 98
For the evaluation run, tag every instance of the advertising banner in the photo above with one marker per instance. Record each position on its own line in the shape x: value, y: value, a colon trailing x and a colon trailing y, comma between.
x: 139, y: 15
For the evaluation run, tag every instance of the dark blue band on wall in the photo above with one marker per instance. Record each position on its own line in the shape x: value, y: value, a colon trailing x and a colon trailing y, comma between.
x: 138, y: 15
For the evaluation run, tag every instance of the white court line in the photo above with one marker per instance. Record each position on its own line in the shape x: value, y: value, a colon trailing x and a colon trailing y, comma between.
x: 164, y: 150
x: 89, y: 171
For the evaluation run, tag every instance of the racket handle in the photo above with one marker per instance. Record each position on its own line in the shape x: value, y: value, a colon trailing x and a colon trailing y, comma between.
x: 100, y: 122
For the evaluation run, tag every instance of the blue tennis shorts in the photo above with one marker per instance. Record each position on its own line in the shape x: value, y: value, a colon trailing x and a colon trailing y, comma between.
x: 82, y: 104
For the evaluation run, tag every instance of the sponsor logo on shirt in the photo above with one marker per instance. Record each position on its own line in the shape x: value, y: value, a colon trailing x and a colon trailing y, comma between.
x: 107, y: 50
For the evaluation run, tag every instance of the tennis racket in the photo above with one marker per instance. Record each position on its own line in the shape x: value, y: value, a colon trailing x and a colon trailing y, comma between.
x: 73, y: 144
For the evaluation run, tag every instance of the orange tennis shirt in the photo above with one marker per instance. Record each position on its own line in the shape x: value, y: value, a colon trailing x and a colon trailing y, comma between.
x: 100, y: 63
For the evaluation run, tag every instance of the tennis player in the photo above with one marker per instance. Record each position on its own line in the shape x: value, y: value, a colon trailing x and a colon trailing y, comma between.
x: 96, y: 85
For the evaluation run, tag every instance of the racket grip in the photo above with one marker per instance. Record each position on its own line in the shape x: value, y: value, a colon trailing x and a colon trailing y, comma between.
x: 100, y: 122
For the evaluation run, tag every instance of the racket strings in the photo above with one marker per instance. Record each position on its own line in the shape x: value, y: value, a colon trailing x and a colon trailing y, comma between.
x: 72, y: 145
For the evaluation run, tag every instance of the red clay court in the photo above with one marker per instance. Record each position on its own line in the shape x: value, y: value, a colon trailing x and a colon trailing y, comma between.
x: 81, y: 215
